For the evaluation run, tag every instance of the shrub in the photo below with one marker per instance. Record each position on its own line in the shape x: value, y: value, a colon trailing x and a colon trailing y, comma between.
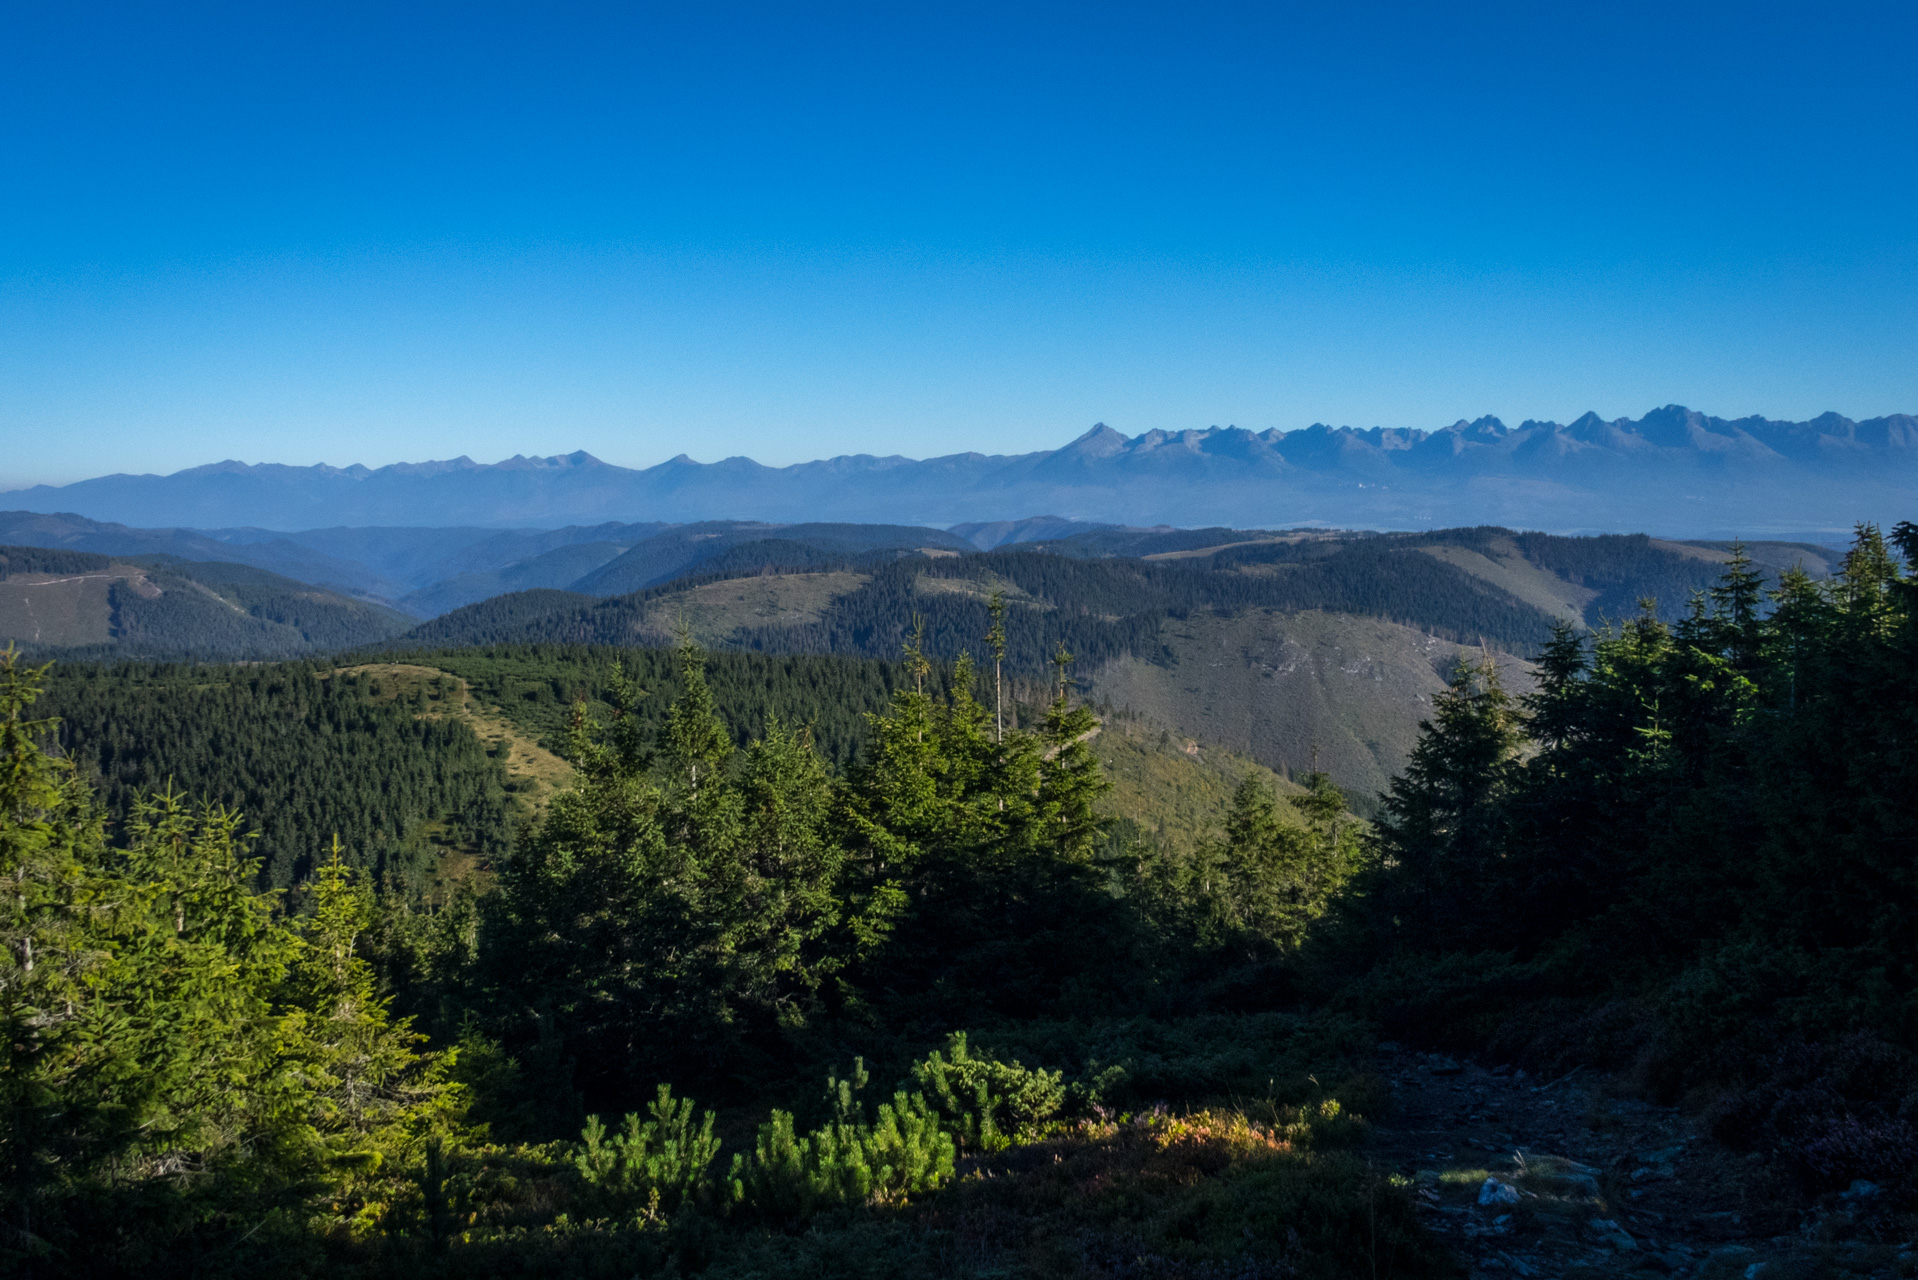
x: 989, y: 1104
x: 847, y: 1161
x: 654, y: 1166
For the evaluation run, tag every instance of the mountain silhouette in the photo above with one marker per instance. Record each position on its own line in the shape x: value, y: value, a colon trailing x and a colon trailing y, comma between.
x: 1674, y: 469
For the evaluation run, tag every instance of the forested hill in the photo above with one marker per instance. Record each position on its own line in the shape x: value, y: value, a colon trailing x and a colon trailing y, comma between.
x: 71, y: 602
x: 304, y: 752
x: 1282, y: 646
x: 387, y: 757
x: 1105, y: 594
x: 431, y: 762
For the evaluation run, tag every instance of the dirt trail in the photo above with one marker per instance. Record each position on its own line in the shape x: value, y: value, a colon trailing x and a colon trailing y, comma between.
x: 1587, y: 1183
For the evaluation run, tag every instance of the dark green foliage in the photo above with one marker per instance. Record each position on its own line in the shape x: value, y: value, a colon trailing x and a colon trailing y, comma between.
x: 41, y: 560
x: 181, y: 1069
x: 651, y: 1166
x: 1442, y: 835
x: 1713, y: 821
x: 1269, y: 881
x: 670, y: 907
x: 539, y: 688
x: 502, y: 620
x: 304, y: 755
x: 902, y: 1152
x: 988, y: 1104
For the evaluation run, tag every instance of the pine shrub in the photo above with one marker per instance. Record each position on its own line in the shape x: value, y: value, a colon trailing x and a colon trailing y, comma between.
x: 902, y: 1152
x: 989, y: 1105
x: 651, y: 1166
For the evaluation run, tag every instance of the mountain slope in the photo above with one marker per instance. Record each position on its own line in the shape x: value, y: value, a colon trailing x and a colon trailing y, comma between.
x: 1294, y: 689
x: 163, y: 606
x: 1274, y: 645
x: 1676, y: 470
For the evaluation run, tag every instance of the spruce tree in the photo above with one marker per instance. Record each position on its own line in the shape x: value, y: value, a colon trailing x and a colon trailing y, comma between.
x: 373, y: 1094
x: 1070, y: 780
x: 52, y: 917
x: 1442, y: 837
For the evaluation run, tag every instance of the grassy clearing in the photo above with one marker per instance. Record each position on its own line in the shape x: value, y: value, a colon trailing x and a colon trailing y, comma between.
x: 537, y: 773
x: 1170, y: 785
x: 716, y: 612
x: 59, y: 609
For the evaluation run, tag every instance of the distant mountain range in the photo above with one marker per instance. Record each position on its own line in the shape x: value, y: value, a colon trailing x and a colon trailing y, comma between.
x: 1674, y: 471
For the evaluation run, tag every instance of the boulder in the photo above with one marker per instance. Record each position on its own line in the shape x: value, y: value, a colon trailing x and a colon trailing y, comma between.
x: 1496, y: 1192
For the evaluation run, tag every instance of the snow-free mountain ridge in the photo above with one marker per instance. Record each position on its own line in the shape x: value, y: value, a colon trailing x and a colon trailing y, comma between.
x: 1674, y: 470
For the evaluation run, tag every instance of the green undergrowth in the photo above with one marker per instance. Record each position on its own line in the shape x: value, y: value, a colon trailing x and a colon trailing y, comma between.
x: 1262, y: 1190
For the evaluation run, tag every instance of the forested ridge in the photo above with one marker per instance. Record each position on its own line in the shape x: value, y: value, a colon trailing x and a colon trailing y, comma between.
x: 1101, y: 597
x: 302, y: 751
x: 1047, y: 1045
x: 161, y: 606
x: 1097, y: 608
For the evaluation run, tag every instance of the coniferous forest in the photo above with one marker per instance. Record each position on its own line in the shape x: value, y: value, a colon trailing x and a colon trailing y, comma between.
x: 824, y: 968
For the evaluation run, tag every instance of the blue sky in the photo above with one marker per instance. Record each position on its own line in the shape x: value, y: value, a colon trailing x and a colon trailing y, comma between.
x: 348, y: 233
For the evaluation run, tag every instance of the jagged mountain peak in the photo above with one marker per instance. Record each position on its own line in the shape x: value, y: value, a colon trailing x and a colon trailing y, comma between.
x: 1100, y: 442
x: 1672, y: 469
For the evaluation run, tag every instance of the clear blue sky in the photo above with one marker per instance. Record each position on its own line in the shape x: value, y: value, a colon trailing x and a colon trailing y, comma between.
x: 340, y: 233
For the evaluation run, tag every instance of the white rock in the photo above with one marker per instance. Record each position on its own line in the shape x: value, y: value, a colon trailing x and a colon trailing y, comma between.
x: 1496, y: 1192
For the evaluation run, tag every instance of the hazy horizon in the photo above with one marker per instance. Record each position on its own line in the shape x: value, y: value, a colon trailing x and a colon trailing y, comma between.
x: 1033, y: 447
